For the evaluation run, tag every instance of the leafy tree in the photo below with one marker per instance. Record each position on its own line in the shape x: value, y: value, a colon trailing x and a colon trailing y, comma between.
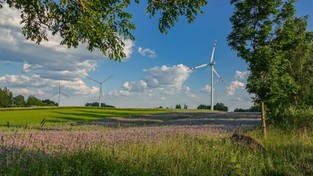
x: 33, y: 101
x: 278, y: 49
x: 19, y: 101
x: 5, y: 97
x: 185, y: 106
x: 253, y: 37
x: 202, y: 106
x: 96, y: 104
x: 220, y: 107
x: 101, y: 24
x: 178, y: 106
x: 251, y: 109
x: 48, y: 102
x: 293, y: 38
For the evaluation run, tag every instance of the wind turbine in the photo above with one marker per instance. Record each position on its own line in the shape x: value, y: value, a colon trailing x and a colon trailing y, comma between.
x: 100, y: 87
x: 211, y: 64
x: 59, y: 92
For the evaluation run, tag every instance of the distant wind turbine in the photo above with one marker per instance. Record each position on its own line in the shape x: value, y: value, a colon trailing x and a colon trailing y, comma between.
x: 59, y: 92
x: 100, y: 87
x: 211, y: 64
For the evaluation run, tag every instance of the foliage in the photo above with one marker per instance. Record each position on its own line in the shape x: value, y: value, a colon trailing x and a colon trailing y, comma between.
x: 7, y: 100
x: 294, y: 117
x: 278, y: 50
x: 19, y: 101
x: 217, y: 106
x: 5, y: 97
x: 251, y: 109
x: 202, y: 106
x: 96, y: 104
x: 48, y: 102
x: 103, y: 25
x: 220, y: 107
x: 178, y: 106
x: 33, y: 101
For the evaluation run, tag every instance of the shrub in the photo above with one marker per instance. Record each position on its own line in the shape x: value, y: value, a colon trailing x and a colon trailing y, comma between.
x: 295, y: 117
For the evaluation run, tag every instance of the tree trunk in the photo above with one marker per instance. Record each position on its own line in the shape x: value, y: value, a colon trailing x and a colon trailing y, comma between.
x: 263, y: 117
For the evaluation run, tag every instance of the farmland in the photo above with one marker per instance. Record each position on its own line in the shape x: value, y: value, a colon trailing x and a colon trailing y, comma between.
x: 93, y: 141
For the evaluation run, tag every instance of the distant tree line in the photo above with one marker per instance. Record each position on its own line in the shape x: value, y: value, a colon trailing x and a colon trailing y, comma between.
x: 8, y: 100
x: 178, y: 106
x: 96, y: 104
x: 251, y: 109
x: 218, y: 107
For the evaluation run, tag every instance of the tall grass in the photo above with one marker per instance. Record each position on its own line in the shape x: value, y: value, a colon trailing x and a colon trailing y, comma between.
x: 197, y: 150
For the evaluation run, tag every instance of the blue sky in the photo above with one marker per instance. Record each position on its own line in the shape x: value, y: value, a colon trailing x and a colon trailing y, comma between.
x: 155, y: 73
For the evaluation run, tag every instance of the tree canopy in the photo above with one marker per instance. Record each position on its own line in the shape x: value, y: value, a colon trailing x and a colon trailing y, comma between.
x: 103, y: 25
x: 278, y: 50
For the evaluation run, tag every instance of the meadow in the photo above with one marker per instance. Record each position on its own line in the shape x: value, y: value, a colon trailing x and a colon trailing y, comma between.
x: 79, y: 148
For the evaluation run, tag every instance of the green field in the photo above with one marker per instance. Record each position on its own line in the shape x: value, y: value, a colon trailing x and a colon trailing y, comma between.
x: 33, y: 116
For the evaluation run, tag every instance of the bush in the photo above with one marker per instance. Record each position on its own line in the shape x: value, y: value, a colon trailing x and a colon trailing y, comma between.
x: 295, y: 117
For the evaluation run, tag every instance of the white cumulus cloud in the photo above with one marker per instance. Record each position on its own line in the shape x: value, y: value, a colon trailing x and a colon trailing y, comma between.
x: 170, y: 78
x: 231, y: 89
x: 147, y: 52
x: 241, y: 74
x: 206, y: 88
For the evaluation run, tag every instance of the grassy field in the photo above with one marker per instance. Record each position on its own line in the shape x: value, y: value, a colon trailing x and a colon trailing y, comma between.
x: 33, y: 116
x: 143, y: 150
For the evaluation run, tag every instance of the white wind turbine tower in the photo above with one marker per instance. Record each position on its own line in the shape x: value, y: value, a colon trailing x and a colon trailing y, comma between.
x: 211, y: 64
x: 100, y: 87
x: 59, y: 92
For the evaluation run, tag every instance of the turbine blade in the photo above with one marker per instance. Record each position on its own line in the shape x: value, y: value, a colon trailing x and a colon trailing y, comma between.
x: 106, y: 79
x: 93, y: 80
x: 211, y: 60
x: 216, y: 73
x: 55, y: 94
x: 200, y: 66
x: 63, y: 94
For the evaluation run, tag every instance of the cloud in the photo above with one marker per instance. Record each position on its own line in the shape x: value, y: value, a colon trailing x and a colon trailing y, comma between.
x: 169, y: 78
x: 36, y: 82
x: 206, y: 89
x: 44, y: 65
x: 234, y: 86
x: 159, y: 81
x: 189, y: 93
x: 49, y: 59
x: 28, y: 67
x: 241, y: 74
x: 147, y: 52
x: 119, y: 93
x: 136, y: 86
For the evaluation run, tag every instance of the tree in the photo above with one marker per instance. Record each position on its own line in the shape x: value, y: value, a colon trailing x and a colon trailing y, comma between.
x: 178, y: 106
x: 220, y: 107
x: 19, y: 101
x: 48, y: 102
x: 101, y: 24
x: 252, y: 37
x: 5, y: 98
x: 33, y: 101
x: 202, y: 106
x: 96, y: 104
x: 251, y: 109
x: 276, y: 46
